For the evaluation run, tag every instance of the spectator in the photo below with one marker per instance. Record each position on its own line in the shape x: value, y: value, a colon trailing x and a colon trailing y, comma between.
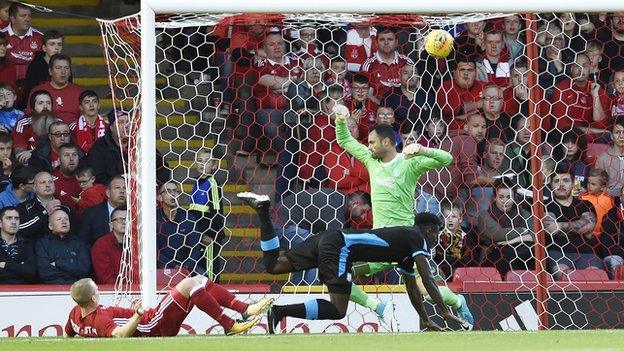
x: 579, y: 102
x: 305, y: 45
x: 304, y: 96
x: 494, y: 67
x: 460, y: 96
x: 337, y: 74
x: 516, y: 95
x: 569, y: 225
x: 447, y: 182
x: 481, y: 191
x: 4, y: 13
x: 62, y: 258
x: 28, y: 130
x: 34, y: 213
x: 9, y: 115
x: 91, y: 194
x: 345, y: 172
x: 554, y: 56
x: 106, y: 252
x: 612, y: 161
x: 276, y: 72
x: 361, y: 45
x: 65, y: 183
x: 505, y: 226
x: 7, y: 162
x: 384, y: 67
x: 513, y: 40
x: 518, y: 152
x: 45, y: 157
x: 409, y: 100
x: 361, y: 106
x: 7, y: 69
x: 612, y: 39
x: 594, y: 50
x: 570, y: 154
x: 177, y: 239
x: 458, y: 243
x: 207, y: 206
x: 320, y: 135
x: 17, y: 255
x: 105, y: 156
x: 596, y: 183
x: 433, y: 134
x: 38, y: 70
x: 496, y: 121
x: 24, y: 41
x: 612, y: 237
x: 617, y: 101
x: 95, y: 219
x: 64, y: 94
x: 470, y: 42
x: 571, y: 29
x: 385, y: 115
x: 90, y: 126
x: 20, y: 188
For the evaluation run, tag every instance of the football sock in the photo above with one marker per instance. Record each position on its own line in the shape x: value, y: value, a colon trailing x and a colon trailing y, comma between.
x: 361, y: 298
x: 311, y: 309
x: 225, y: 298
x: 269, y: 242
x: 201, y: 298
x: 449, y: 298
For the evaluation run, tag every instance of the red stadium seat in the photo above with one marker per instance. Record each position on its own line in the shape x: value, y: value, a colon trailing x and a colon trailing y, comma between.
x: 525, y: 276
x: 586, y: 275
x: 476, y: 274
x: 619, y: 272
x: 594, y: 150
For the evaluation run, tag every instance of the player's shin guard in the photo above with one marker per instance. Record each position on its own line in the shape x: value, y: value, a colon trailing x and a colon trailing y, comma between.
x: 201, y: 298
x: 269, y: 242
x: 311, y: 309
x: 224, y: 297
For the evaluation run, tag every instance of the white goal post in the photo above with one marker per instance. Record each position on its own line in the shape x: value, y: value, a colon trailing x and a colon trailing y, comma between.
x: 150, y: 8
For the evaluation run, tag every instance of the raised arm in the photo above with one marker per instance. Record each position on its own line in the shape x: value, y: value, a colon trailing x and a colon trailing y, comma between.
x: 425, y: 158
x: 346, y: 140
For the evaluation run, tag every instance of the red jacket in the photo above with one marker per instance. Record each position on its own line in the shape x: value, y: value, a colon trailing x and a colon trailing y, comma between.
x: 356, y: 53
x: 451, y: 98
x: 345, y: 172
x: 106, y: 259
x: 67, y: 188
x: 65, y: 100
x: 21, y: 50
x: 573, y: 105
x: 89, y: 197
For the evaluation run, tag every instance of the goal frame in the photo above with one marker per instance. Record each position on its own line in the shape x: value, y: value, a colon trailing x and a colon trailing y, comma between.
x: 147, y: 137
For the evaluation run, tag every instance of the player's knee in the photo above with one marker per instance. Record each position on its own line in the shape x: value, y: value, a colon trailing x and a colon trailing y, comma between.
x: 341, y: 311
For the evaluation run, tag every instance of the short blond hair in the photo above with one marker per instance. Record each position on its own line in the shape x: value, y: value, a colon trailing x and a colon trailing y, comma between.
x: 82, y: 291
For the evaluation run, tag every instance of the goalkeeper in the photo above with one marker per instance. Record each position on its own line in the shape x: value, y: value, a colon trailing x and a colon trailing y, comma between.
x: 393, y: 179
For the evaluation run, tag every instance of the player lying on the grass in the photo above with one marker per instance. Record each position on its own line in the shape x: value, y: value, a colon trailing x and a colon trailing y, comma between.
x: 90, y: 319
x: 333, y: 252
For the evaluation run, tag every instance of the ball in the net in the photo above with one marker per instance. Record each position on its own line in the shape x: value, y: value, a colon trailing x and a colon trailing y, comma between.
x: 439, y: 43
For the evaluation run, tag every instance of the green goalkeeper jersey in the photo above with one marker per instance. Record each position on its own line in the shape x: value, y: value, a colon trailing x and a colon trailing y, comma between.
x: 393, y: 184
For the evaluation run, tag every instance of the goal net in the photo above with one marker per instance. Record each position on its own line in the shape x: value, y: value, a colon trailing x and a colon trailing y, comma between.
x: 526, y: 104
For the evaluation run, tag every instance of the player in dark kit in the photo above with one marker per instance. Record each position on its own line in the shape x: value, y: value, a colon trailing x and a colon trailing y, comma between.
x: 333, y: 252
x: 90, y: 319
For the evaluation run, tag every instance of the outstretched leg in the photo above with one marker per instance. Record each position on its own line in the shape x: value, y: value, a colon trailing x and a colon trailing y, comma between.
x: 311, y: 309
x: 269, y: 242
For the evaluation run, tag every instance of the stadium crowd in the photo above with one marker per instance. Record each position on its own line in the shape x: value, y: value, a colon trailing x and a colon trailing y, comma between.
x: 63, y: 193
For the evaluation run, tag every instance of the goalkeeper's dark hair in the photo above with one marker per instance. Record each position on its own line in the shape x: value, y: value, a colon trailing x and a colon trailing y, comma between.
x: 427, y: 221
x: 384, y: 131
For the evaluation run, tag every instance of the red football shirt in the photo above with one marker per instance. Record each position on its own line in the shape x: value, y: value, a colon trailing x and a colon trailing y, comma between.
x: 85, y: 135
x: 275, y: 100
x: 21, y: 49
x: 573, y: 105
x: 65, y: 100
x: 451, y: 98
x: 66, y: 188
x: 383, y: 76
x: 358, y: 50
x: 99, y: 323
x: 24, y: 136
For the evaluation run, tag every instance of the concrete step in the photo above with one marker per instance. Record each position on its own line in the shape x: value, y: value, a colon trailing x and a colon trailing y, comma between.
x: 228, y: 188
x: 190, y: 164
x: 251, y: 278
x: 184, y: 144
x: 66, y: 25
x: 82, y: 50
x: 64, y: 3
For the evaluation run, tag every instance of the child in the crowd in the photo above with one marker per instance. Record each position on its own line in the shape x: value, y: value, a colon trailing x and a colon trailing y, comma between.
x: 337, y: 74
x: 451, y: 240
x: 207, y: 205
x: 435, y: 132
x: 91, y: 193
x: 385, y: 115
x: 8, y: 114
x: 6, y: 156
x: 596, y: 184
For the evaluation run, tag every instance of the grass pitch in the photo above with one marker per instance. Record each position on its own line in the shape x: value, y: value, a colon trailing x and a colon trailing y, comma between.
x: 450, y: 341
